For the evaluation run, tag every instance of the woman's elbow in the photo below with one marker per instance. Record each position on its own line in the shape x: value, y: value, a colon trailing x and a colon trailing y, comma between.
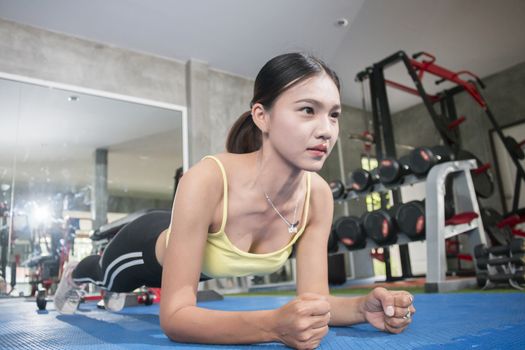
x: 172, y: 331
x: 173, y: 326
x: 167, y: 325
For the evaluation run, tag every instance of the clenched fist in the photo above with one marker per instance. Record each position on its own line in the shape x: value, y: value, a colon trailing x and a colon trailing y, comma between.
x: 303, y: 322
x: 389, y: 311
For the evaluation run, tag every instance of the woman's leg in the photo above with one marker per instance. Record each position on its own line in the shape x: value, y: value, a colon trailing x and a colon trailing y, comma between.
x: 129, y: 260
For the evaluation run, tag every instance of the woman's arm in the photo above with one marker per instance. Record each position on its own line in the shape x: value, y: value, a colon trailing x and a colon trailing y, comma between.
x: 383, y: 309
x: 312, y: 260
x: 198, y: 195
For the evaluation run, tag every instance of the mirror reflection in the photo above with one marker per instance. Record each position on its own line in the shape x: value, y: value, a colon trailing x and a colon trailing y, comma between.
x: 51, y: 193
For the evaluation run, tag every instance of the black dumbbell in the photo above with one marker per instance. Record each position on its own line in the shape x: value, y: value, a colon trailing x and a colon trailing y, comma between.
x: 349, y: 231
x: 361, y: 180
x: 482, y: 277
x: 422, y: 159
x: 391, y: 171
x: 338, y: 189
x: 333, y: 247
x: 150, y: 298
x: 516, y: 259
x: 41, y: 301
x: 410, y: 219
x: 380, y: 226
x: 516, y: 246
x: 146, y: 297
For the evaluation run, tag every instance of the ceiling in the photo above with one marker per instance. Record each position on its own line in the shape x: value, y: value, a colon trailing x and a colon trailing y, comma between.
x: 238, y: 36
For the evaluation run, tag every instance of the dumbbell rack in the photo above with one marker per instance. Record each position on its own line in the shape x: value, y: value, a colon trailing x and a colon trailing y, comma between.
x: 437, y: 232
x: 465, y: 200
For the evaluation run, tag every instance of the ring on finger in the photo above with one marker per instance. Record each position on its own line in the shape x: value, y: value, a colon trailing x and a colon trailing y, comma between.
x: 408, y: 315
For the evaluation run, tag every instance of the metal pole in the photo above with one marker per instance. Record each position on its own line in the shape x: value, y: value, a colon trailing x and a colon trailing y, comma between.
x: 390, y: 151
x: 99, y: 203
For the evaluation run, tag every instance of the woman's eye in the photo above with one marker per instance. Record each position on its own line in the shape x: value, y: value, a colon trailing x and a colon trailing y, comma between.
x: 308, y: 110
x: 335, y: 115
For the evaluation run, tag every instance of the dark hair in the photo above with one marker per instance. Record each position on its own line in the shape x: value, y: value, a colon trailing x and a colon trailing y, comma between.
x: 276, y: 76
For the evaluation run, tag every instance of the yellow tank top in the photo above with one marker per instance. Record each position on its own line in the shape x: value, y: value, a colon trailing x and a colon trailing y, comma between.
x: 223, y: 259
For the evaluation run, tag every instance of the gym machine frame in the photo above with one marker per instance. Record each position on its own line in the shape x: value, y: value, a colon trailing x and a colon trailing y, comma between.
x: 446, y: 124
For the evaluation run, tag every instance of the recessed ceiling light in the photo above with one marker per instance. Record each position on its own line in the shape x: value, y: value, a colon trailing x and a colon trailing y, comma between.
x: 73, y: 98
x: 341, y: 22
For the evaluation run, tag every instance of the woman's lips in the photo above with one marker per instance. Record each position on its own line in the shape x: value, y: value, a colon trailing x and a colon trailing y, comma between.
x: 316, y: 152
x: 319, y: 150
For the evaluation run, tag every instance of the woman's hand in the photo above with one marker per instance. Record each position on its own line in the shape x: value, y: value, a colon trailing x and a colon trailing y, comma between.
x: 389, y: 311
x: 303, y: 322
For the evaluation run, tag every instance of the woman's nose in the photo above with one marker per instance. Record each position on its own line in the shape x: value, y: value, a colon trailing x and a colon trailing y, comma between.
x: 325, y: 128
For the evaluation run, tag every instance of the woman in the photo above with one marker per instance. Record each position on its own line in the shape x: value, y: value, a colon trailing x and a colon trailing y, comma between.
x: 241, y: 213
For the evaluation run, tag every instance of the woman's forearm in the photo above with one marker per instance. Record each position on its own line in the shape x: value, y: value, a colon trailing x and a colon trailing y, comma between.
x: 345, y: 311
x: 193, y: 324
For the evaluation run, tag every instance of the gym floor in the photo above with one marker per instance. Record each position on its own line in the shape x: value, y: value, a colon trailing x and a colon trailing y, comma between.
x: 478, y: 320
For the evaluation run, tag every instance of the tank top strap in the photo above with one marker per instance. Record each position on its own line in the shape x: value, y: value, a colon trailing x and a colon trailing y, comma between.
x: 225, y: 192
x: 308, y: 191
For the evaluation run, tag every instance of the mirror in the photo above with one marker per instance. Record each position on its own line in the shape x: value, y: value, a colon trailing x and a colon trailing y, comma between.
x: 49, y: 137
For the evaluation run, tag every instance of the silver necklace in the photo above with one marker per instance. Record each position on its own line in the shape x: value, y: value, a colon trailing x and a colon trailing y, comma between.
x: 292, y: 226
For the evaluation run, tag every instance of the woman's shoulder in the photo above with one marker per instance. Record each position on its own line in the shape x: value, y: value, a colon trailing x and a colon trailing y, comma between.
x: 205, y: 173
x: 227, y: 158
x: 208, y: 169
x: 232, y: 163
x: 319, y: 186
x: 320, y: 202
x: 320, y: 194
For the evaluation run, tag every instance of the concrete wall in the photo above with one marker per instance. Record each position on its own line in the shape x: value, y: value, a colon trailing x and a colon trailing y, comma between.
x: 230, y: 96
x: 59, y: 58
x: 214, y: 99
x: 504, y: 95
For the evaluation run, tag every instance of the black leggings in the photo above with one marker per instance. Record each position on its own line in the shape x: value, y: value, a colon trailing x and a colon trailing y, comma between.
x: 129, y: 260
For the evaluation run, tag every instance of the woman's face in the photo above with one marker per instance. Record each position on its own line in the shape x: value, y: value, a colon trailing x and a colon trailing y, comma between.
x: 303, y: 122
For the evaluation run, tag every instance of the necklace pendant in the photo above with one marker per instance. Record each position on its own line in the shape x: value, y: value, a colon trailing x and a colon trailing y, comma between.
x: 293, y: 227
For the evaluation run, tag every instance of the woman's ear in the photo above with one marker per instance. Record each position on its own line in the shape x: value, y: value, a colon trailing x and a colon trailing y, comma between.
x: 261, y: 118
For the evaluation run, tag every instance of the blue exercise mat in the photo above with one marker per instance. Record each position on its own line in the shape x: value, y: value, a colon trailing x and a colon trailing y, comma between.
x: 443, y: 321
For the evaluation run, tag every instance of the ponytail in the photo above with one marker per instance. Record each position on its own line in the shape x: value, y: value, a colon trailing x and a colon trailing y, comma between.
x: 244, y: 135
